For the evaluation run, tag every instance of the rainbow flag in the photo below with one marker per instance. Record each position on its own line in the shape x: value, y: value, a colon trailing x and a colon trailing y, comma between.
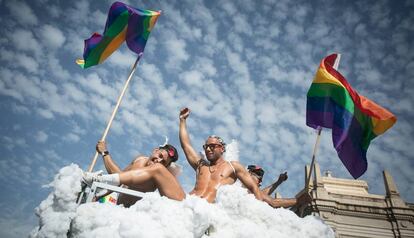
x: 354, y: 119
x: 124, y: 23
x: 110, y: 198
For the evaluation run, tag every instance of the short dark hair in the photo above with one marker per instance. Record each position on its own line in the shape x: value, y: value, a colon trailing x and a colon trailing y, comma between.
x: 171, y: 151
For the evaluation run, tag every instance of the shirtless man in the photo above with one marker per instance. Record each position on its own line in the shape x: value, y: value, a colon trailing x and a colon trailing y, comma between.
x: 144, y: 174
x: 216, y: 171
x: 257, y: 173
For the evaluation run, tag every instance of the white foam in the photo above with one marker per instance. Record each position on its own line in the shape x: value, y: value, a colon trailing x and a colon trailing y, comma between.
x: 232, y: 151
x: 235, y: 214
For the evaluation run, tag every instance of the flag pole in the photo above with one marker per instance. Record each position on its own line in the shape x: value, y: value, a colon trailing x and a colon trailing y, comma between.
x: 115, y: 109
x: 318, y: 137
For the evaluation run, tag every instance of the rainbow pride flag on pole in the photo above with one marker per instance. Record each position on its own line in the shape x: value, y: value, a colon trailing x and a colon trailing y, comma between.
x: 124, y: 23
x: 354, y: 119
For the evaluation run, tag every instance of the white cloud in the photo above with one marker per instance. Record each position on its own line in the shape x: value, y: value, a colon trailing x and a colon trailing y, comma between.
x: 229, y: 8
x: 293, y: 31
x: 45, y: 113
x: 99, y: 17
x: 79, y: 15
x: 151, y: 73
x: 19, y: 109
x: 72, y: 137
x: 177, y: 53
x: 20, y: 59
x: 241, y: 24
x: 75, y: 42
x: 236, y: 42
x: 15, y: 142
x: 22, y: 12
x: 360, y: 30
x: 54, y: 10
x: 123, y: 59
x: 74, y: 92
x: 41, y: 137
x: 52, y: 36
x: 189, y: 30
x: 27, y: 62
x: 192, y: 78
x: 237, y: 64
x: 25, y: 40
x: 94, y: 83
x: 379, y: 14
x: 206, y: 66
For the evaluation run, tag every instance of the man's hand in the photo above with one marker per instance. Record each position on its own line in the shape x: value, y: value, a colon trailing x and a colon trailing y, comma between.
x: 184, y: 113
x: 283, y: 177
x: 101, y: 147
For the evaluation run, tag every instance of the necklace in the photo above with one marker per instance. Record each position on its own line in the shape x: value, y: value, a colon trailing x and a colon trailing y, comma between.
x: 212, y: 171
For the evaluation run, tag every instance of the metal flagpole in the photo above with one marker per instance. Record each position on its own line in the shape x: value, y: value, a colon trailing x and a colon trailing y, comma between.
x: 318, y: 137
x: 115, y: 109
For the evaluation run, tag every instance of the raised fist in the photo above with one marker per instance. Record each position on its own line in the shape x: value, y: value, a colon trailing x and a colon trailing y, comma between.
x: 184, y: 113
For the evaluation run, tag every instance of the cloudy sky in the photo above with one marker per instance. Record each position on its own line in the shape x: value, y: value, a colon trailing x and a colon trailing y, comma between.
x: 242, y: 67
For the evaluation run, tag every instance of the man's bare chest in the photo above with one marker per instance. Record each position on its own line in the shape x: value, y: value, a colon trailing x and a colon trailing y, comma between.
x: 208, y: 173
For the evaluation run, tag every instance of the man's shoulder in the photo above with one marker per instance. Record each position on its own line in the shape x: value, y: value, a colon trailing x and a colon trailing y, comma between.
x: 235, y: 163
x: 140, y: 159
x: 202, y: 162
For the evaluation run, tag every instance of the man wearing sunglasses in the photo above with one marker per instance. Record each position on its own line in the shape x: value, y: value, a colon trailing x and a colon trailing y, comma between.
x: 144, y: 174
x: 216, y: 171
x: 256, y: 172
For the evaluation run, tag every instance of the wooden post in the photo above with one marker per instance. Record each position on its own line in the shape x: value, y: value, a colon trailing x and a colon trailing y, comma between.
x: 115, y: 110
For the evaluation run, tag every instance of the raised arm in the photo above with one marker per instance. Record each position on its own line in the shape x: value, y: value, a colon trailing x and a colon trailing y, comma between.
x: 110, y: 165
x: 272, y: 187
x: 246, y: 179
x: 190, y: 153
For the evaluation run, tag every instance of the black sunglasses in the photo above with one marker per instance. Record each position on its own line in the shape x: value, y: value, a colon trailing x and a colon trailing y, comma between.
x: 211, y: 146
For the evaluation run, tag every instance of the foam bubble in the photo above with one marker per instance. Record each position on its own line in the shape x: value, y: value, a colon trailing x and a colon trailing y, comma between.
x: 236, y: 213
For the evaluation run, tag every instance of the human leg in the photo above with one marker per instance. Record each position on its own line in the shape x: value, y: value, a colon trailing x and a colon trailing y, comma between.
x: 158, y: 174
x: 112, y: 179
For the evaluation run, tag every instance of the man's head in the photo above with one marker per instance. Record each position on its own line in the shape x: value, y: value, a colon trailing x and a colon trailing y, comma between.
x: 165, y: 155
x: 214, y: 147
x: 256, y: 172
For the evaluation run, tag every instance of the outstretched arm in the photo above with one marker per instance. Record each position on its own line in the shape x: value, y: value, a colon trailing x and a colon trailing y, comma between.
x: 110, y: 165
x: 280, y: 202
x: 304, y: 198
x: 246, y: 179
x: 272, y: 187
x: 190, y: 153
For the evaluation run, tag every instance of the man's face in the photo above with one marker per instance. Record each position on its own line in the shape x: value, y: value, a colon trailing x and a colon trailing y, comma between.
x: 160, y: 156
x: 213, y: 149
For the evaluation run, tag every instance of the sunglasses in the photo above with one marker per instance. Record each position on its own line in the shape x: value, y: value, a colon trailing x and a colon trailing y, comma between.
x: 212, y: 146
x: 253, y: 167
x: 170, y: 151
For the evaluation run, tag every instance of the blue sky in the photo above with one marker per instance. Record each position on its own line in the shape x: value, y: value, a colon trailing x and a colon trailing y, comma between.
x: 242, y: 67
